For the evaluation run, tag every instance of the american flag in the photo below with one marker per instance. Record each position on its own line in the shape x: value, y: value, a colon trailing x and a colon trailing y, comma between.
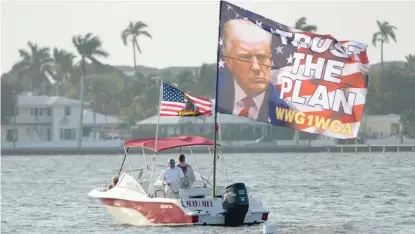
x: 173, y: 103
x: 354, y: 77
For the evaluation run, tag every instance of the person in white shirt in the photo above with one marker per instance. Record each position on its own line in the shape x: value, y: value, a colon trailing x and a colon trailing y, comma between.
x: 187, y: 169
x: 171, y: 179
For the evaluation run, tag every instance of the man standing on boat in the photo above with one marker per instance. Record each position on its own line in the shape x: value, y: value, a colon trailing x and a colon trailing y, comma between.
x: 171, y: 179
x: 186, y: 168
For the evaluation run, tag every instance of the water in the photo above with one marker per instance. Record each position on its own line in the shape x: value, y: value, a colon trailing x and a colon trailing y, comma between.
x: 306, y: 193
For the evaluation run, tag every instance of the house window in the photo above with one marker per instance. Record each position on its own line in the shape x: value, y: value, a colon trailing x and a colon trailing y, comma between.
x: 67, y: 133
x: 67, y: 110
x: 40, y: 111
x: 34, y: 111
x: 49, y: 110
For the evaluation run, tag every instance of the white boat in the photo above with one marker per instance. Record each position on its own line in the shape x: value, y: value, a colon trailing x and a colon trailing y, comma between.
x: 135, y: 200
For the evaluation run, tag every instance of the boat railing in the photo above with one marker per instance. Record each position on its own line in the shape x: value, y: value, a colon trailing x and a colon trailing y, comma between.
x: 144, y: 171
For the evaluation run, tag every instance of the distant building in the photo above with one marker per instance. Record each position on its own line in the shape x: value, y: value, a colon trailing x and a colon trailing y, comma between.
x: 98, y: 126
x: 203, y: 125
x: 51, y: 118
x: 381, y: 126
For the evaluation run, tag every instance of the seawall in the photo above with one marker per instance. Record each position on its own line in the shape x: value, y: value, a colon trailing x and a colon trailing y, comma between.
x: 226, y: 149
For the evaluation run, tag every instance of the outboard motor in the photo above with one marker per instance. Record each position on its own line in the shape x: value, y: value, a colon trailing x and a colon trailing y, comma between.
x: 235, y: 203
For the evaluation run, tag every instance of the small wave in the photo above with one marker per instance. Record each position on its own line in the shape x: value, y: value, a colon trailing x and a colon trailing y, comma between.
x: 347, y: 228
x: 406, y: 223
x: 314, y: 188
x: 382, y: 213
x: 391, y: 201
x: 400, y: 194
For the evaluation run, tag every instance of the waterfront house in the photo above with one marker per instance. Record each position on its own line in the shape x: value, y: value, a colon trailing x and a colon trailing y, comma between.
x: 52, y: 119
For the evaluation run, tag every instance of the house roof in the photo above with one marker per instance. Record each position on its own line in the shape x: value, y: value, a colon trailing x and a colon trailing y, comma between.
x: 222, y: 119
x: 32, y: 100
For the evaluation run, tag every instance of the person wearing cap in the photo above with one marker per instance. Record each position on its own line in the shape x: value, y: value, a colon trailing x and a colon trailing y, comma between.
x: 171, y: 179
x: 186, y: 168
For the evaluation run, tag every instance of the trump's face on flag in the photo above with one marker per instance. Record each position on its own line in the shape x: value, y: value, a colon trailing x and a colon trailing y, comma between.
x: 247, y: 51
x: 244, y: 78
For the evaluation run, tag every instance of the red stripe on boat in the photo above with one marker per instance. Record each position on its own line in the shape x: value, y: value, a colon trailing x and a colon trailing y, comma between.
x: 154, y: 212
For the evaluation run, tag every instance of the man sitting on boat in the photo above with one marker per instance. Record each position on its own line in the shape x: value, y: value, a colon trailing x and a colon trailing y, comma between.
x: 171, y: 179
x: 186, y: 168
x: 114, y: 181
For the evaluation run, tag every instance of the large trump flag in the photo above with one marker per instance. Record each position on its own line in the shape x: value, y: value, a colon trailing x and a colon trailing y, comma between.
x: 275, y: 74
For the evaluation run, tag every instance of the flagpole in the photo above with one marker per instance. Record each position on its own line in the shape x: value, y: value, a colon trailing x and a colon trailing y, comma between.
x: 219, y: 131
x: 153, y: 168
x: 158, y: 117
x: 216, y: 106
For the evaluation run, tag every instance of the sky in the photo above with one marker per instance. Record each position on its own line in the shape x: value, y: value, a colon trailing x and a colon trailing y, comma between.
x: 185, y: 33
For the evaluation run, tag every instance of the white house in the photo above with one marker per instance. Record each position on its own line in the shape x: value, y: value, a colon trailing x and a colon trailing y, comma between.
x: 51, y: 119
x: 381, y: 126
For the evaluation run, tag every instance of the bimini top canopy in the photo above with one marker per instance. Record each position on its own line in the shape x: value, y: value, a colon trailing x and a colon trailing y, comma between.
x: 168, y: 143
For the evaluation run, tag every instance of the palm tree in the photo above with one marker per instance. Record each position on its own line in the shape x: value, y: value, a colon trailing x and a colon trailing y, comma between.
x: 301, y: 24
x: 135, y: 30
x: 63, y: 66
x: 385, y: 32
x: 36, y: 64
x: 88, y: 47
x: 410, y: 62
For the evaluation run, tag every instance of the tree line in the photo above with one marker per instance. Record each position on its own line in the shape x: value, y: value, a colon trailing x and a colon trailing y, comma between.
x: 108, y: 90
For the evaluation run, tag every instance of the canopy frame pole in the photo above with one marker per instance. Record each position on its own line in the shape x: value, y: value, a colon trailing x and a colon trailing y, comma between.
x: 145, y: 157
x: 125, y: 155
x: 131, y: 168
x: 147, y: 166
x: 197, y: 164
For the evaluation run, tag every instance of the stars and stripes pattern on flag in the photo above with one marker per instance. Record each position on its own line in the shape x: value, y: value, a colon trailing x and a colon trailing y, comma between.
x: 354, y: 77
x: 173, y: 103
